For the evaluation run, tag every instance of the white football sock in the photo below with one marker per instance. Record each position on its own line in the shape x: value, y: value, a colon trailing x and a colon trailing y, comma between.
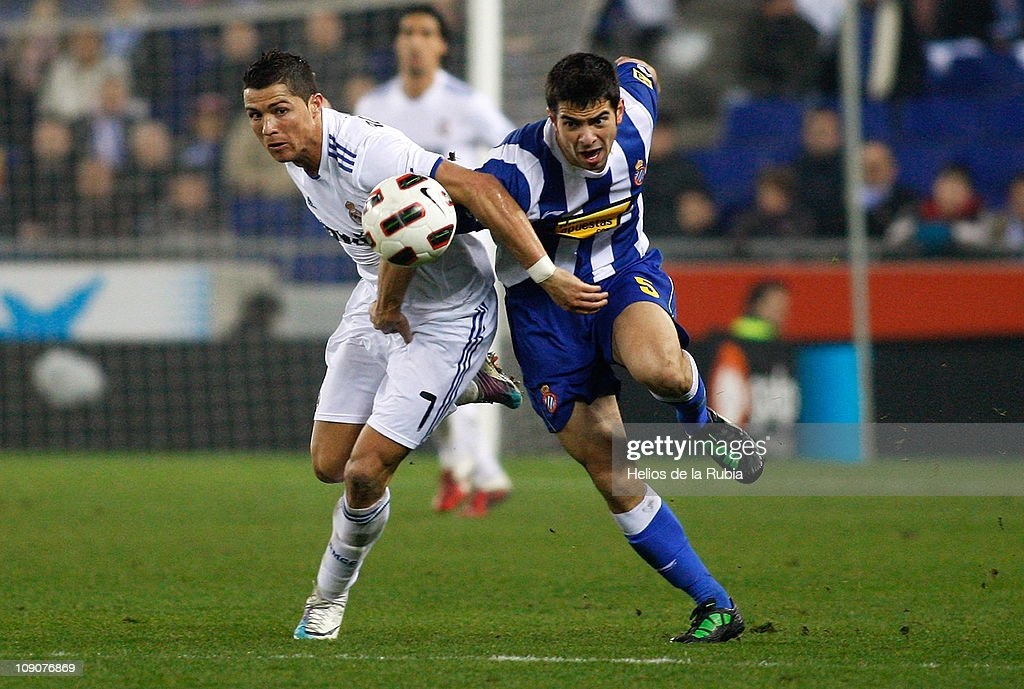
x: 355, y: 531
x: 469, y: 449
x: 454, y: 447
x: 638, y: 518
x: 470, y: 395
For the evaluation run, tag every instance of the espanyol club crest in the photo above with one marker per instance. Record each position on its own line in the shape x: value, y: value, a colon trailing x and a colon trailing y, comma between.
x: 549, y: 399
x: 639, y: 172
x: 354, y: 212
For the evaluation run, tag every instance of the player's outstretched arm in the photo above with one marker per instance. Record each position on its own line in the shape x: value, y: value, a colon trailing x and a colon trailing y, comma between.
x: 386, y: 312
x: 495, y: 208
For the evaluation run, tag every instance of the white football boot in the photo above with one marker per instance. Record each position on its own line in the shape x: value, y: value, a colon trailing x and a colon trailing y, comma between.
x: 321, y: 618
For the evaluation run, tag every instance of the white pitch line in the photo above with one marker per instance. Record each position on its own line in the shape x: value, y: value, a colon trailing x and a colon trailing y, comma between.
x: 493, y: 659
x: 577, y: 660
x: 618, y: 661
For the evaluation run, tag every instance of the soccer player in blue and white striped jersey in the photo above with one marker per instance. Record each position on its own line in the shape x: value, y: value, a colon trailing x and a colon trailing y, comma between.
x: 579, y: 175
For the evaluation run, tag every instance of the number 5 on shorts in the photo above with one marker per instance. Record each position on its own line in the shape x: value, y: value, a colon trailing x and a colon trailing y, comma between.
x: 647, y: 287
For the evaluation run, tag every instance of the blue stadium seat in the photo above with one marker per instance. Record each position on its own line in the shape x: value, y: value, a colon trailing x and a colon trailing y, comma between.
x: 965, y: 76
x: 776, y: 121
x: 992, y: 167
x: 920, y: 161
x: 731, y: 171
x: 939, y: 120
x: 1002, y: 119
x: 336, y: 267
x: 877, y: 120
x: 986, y: 74
x: 259, y: 217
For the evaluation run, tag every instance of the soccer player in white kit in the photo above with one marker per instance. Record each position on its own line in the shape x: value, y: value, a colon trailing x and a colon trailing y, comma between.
x: 409, y: 341
x: 445, y: 115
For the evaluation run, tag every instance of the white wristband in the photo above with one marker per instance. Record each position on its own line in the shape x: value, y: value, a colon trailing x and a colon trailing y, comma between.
x: 542, y: 269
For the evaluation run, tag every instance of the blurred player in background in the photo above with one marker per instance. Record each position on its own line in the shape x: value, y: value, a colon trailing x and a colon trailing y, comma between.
x: 753, y: 374
x: 445, y: 115
x: 578, y: 175
x: 410, y: 341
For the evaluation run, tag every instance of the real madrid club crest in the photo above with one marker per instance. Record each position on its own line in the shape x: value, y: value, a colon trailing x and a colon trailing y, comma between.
x: 639, y: 172
x: 549, y: 399
x: 354, y: 213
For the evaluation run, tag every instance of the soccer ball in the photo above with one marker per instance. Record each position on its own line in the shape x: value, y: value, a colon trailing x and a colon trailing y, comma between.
x: 409, y: 219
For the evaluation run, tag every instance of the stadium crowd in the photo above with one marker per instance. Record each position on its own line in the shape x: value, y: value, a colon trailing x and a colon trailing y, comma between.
x: 942, y: 156
x: 111, y: 130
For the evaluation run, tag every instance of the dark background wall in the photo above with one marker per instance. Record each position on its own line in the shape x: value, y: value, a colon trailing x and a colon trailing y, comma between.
x: 252, y: 394
x: 261, y: 394
x: 961, y: 381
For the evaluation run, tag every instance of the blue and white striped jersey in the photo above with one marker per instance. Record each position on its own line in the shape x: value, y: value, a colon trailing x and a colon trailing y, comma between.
x: 590, y: 222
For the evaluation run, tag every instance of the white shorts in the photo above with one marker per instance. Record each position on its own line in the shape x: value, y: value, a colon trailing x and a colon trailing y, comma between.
x: 402, y: 391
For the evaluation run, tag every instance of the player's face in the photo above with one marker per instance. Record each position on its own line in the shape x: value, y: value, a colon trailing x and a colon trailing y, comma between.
x: 419, y: 45
x: 287, y: 126
x: 586, y: 135
x: 775, y: 307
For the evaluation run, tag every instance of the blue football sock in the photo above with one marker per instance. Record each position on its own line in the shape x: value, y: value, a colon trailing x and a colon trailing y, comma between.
x: 663, y: 544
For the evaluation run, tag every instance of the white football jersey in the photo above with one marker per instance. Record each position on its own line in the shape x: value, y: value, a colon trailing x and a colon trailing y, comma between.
x: 357, y: 155
x: 449, y: 117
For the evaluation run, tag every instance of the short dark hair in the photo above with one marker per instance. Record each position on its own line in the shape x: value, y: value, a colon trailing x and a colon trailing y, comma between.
x: 763, y: 288
x: 279, y: 67
x: 782, y: 177
x: 582, y: 79
x: 424, y: 8
x: 956, y: 169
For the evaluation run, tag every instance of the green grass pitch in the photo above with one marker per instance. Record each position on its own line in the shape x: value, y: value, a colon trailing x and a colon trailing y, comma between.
x: 190, y: 571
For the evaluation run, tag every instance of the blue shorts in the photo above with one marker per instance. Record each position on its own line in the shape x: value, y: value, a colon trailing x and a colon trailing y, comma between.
x: 567, y: 357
